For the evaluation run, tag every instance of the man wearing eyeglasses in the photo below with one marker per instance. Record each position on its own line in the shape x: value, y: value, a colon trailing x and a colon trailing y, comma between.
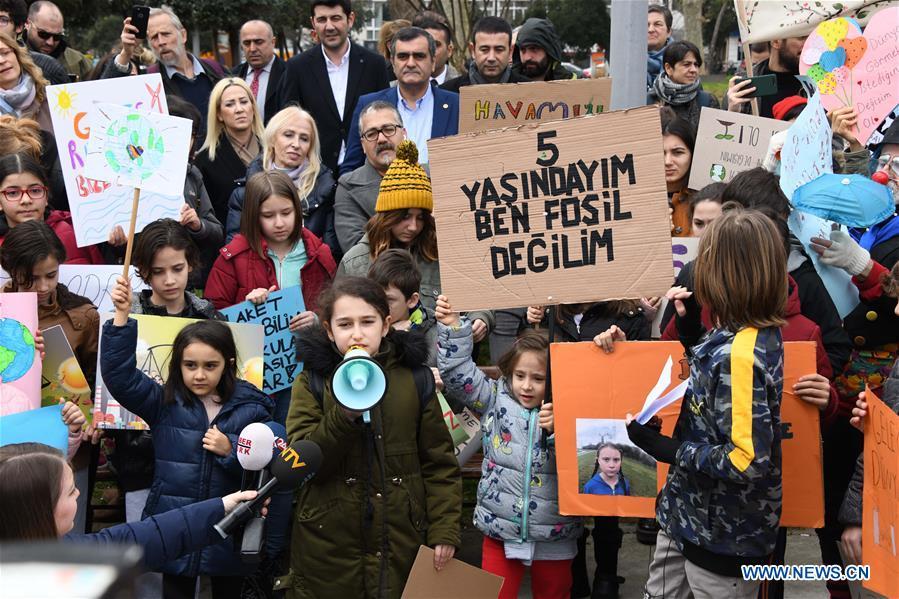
x: 381, y: 130
x: 13, y: 14
x: 45, y: 33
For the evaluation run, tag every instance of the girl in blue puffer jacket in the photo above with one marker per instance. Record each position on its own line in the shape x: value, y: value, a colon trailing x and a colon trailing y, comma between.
x: 518, y: 498
x: 195, y: 418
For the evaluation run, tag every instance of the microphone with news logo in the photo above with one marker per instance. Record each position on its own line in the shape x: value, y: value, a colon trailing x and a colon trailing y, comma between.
x: 254, y: 451
x: 253, y: 536
x: 290, y: 469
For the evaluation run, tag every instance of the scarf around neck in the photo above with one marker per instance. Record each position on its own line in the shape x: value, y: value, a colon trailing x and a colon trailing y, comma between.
x: 675, y: 94
x: 477, y: 79
x: 18, y: 99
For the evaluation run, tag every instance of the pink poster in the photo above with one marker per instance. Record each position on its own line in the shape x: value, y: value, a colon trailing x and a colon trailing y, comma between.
x: 20, y: 364
x: 856, y: 69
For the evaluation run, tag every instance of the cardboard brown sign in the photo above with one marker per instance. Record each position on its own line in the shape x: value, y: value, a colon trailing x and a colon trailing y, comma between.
x: 456, y: 579
x: 728, y: 143
x: 494, y: 106
x: 561, y: 212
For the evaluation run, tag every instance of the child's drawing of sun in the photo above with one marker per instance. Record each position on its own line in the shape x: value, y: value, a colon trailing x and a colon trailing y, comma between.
x: 65, y: 100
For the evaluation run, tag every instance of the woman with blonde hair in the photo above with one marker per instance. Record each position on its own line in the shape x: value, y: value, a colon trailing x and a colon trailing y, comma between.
x: 23, y: 89
x: 233, y: 141
x: 291, y: 145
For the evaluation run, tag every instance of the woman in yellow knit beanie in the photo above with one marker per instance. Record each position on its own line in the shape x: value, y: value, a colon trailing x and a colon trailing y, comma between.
x: 403, y: 220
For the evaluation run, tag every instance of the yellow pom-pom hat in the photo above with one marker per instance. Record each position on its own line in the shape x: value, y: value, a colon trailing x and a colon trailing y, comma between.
x: 406, y: 184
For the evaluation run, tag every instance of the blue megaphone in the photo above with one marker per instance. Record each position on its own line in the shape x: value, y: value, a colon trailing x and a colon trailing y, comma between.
x: 359, y: 383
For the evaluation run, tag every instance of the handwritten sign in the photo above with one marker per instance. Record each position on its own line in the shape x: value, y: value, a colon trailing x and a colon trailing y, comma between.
x: 854, y: 69
x: 494, y: 106
x: 807, y: 152
x: 155, y: 337
x: 20, y: 364
x: 96, y: 282
x: 728, y: 143
x: 880, y: 501
x: 836, y: 280
x: 97, y: 206
x: 563, y: 212
x: 630, y: 373
x: 281, y: 364
x: 61, y: 374
x: 766, y: 20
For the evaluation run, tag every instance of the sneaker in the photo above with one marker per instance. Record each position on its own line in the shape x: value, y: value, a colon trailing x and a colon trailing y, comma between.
x: 647, y: 529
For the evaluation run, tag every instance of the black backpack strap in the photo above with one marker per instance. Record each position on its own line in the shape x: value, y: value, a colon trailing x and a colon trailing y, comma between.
x: 425, y: 385
x: 317, y: 386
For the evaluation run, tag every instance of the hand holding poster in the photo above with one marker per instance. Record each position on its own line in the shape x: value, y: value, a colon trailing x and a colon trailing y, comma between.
x: 281, y: 362
x: 880, y: 501
x: 728, y: 143
x: 20, y: 364
x: 588, y: 415
x: 562, y: 212
x: 98, y: 206
x: 494, y: 106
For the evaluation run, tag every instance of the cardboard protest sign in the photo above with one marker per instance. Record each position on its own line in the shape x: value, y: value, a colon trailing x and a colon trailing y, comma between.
x: 97, y: 206
x: 807, y: 152
x: 494, y: 106
x: 728, y: 143
x: 564, y: 212
x: 281, y: 362
x: 155, y: 336
x: 880, y: 501
x: 96, y: 282
x: 854, y: 69
x: 61, y: 375
x: 134, y: 148
x: 20, y: 364
x: 41, y: 425
x: 464, y: 428
x: 766, y: 20
x: 588, y: 415
x: 837, y: 281
x: 456, y: 579
x: 683, y: 251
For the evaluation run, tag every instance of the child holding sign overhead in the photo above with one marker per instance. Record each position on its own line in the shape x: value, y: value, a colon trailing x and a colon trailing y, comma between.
x: 519, y: 517
x: 720, y: 507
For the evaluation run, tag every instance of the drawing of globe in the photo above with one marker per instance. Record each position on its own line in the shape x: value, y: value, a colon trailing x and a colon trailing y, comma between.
x: 134, y: 146
x: 16, y: 350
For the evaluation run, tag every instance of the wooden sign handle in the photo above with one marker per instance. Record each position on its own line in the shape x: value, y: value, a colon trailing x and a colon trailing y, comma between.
x: 134, y: 202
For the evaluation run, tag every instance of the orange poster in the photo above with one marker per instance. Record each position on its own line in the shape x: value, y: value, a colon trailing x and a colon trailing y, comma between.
x: 592, y: 393
x: 880, y: 498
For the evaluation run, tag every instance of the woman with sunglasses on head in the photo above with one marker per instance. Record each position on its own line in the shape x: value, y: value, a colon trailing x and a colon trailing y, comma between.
x: 24, y: 196
x: 23, y: 88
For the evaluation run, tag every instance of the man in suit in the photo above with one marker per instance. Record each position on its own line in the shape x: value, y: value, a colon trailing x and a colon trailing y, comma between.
x: 262, y: 69
x: 439, y: 29
x: 328, y: 79
x: 427, y: 111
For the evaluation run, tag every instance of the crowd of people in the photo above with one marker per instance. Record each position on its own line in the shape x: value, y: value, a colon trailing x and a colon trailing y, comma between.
x: 312, y: 172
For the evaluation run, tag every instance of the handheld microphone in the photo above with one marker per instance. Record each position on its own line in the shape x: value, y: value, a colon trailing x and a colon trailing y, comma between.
x: 254, y: 445
x: 253, y: 538
x: 291, y: 469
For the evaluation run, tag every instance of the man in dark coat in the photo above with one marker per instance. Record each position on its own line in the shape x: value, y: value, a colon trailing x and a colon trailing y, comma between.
x: 45, y: 33
x: 538, y: 52
x: 328, y: 79
x: 262, y: 69
x: 490, y: 49
x: 12, y: 22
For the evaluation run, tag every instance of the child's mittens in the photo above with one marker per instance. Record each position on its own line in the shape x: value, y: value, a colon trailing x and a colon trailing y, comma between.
x: 662, y: 448
x: 843, y: 252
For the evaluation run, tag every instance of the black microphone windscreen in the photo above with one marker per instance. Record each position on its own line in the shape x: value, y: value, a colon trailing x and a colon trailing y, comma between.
x: 296, y: 464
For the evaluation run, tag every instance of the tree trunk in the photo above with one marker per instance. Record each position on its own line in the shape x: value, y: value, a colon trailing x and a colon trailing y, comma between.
x: 692, y: 10
x: 713, y: 57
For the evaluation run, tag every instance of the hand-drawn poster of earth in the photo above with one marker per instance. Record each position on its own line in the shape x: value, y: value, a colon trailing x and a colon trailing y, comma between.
x: 16, y: 350
x: 134, y: 148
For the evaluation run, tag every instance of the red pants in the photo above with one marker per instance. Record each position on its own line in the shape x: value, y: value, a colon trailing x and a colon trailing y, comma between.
x: 550, y: 579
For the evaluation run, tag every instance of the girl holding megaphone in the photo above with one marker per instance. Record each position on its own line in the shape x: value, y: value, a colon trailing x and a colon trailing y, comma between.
x: 389, y: 482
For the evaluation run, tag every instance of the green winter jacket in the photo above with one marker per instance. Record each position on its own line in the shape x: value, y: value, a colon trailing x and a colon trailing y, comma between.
x: 359, y: 523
